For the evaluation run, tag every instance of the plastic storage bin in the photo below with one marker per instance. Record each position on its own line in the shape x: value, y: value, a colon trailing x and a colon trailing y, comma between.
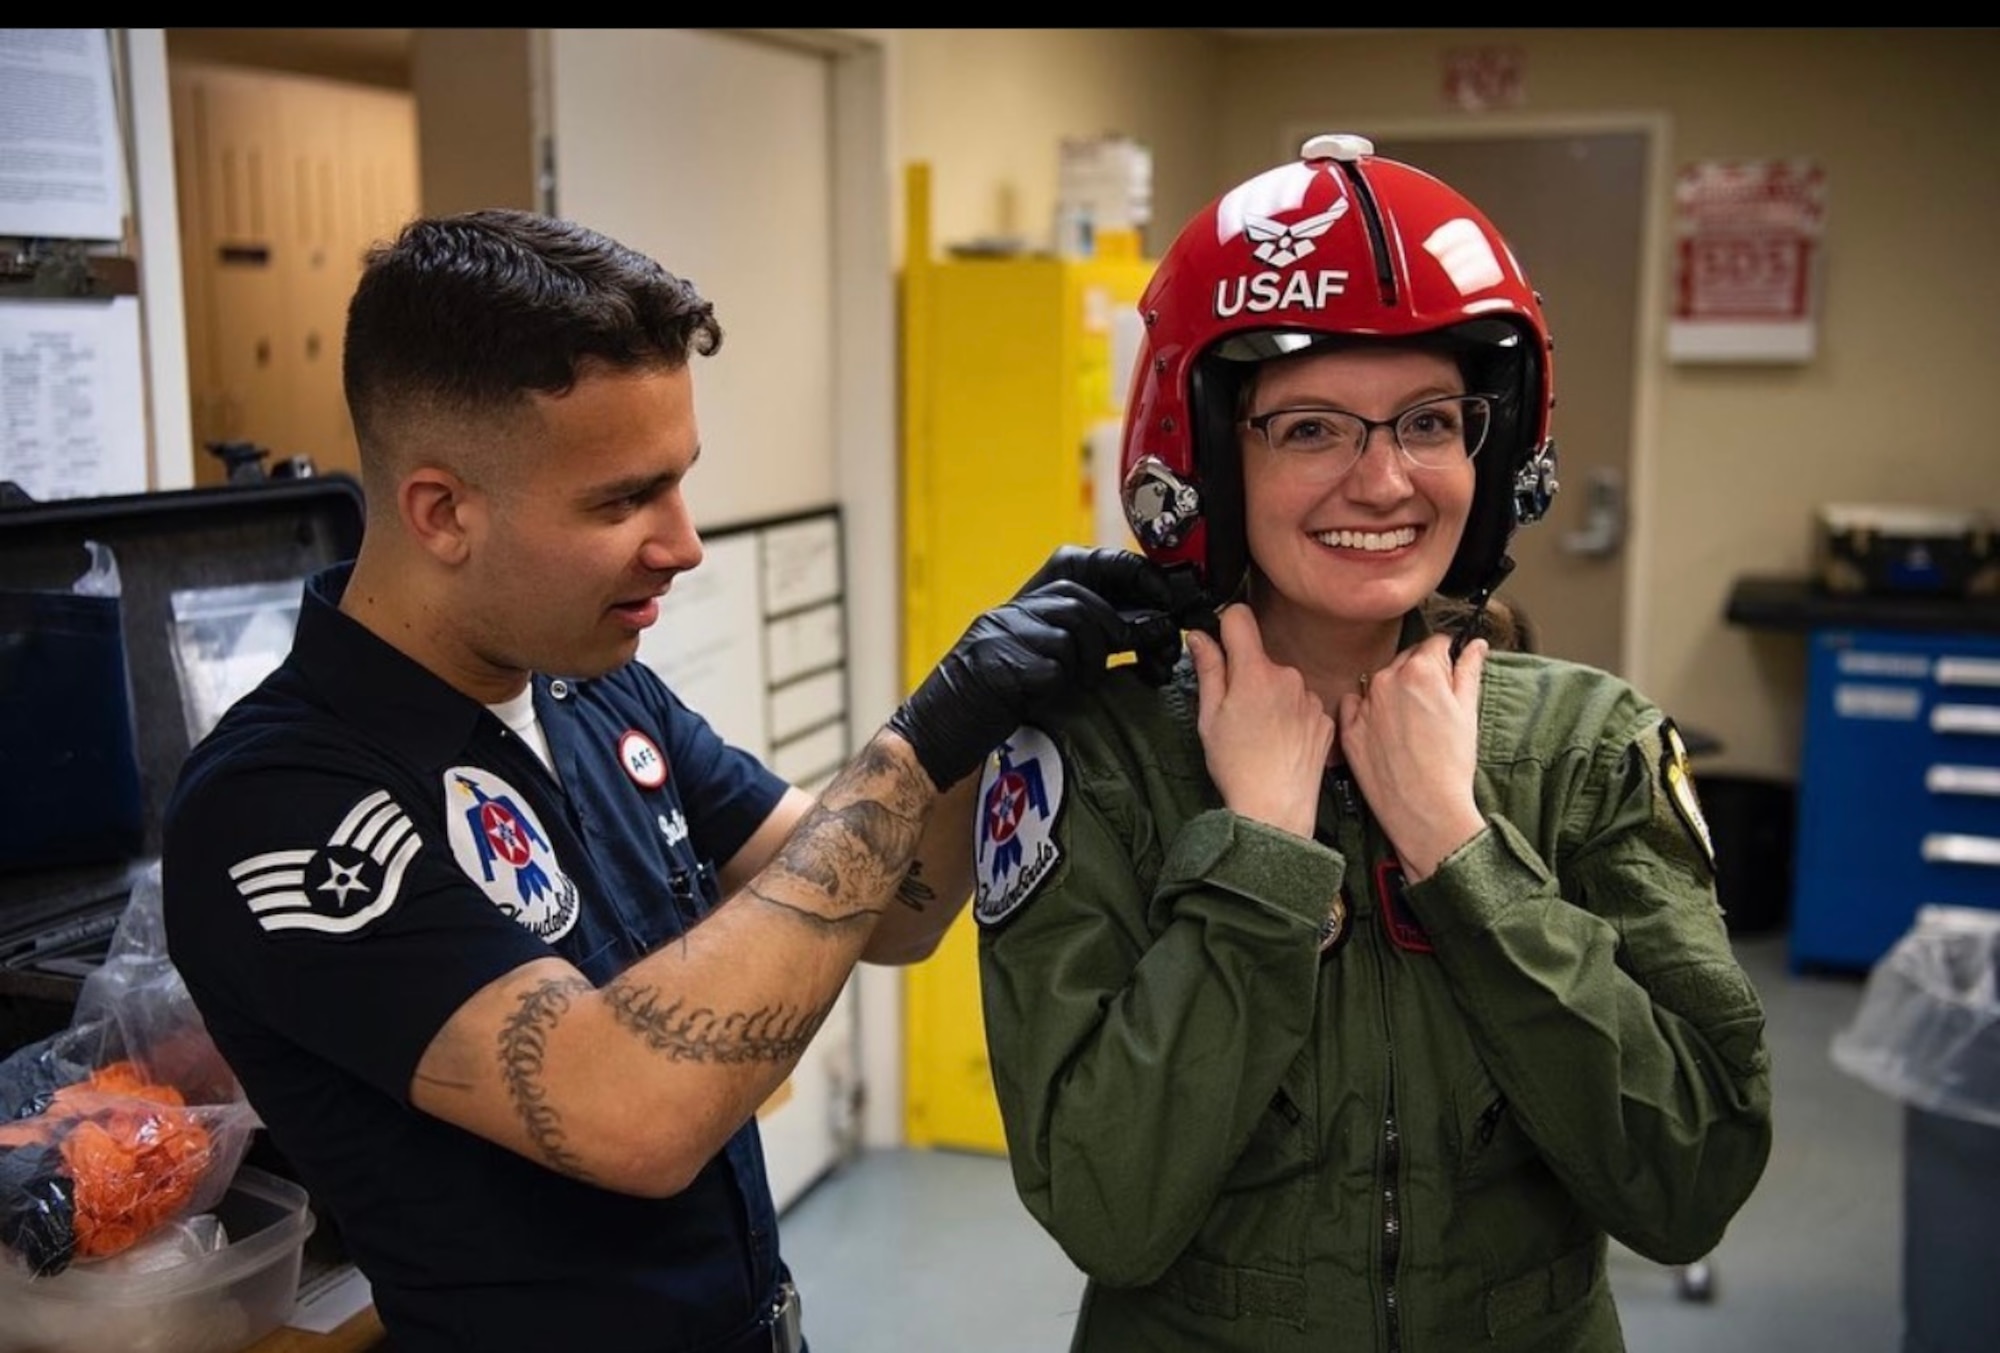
x: 1928, y: 1032
x: 219, y: 1303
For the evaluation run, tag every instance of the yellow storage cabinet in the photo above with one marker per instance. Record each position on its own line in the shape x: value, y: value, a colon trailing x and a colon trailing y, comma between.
x: 1008, y: 367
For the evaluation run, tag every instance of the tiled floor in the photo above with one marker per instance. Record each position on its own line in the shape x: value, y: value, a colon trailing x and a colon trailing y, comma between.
x: 930, y: 1250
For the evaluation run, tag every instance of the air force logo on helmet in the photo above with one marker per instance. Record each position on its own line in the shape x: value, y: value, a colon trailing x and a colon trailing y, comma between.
x: 1256, y: 212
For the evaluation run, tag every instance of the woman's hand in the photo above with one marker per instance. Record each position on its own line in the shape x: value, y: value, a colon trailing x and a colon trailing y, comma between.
x: 1412, y: 739
x: 1265, y: 735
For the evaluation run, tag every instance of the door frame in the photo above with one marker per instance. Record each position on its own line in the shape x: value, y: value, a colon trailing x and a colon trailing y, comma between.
x: 867, y: 472
x: 1648, y: 337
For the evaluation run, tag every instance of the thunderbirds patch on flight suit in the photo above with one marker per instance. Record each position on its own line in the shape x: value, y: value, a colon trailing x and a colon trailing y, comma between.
x: 1677, y: 778
x: 1020, y: 794
x: 500, y: 845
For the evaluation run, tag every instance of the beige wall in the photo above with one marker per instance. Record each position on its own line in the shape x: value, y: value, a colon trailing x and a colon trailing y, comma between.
x: 1735, y: 456
x: 1901, y: 120
x: 987, y: 109
x: 476, y: 132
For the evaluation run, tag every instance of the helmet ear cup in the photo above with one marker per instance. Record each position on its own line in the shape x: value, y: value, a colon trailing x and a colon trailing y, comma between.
x: 1215, y: 391
x: 1490, y: 524
x: 1513, y: 377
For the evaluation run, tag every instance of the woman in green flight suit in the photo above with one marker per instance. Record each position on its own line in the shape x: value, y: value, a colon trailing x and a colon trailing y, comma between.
x: 1350, y: 991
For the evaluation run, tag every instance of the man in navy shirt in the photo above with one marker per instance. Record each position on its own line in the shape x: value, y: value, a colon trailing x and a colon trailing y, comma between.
x: 504, y: 942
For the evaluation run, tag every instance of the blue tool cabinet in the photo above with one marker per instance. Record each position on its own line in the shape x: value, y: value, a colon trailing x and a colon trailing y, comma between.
x: 1899, y: 788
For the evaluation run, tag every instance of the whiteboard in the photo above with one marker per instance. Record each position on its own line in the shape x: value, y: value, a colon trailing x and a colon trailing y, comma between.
x: 801, y: 564
x: 708, y: 646
x: 755, y: 641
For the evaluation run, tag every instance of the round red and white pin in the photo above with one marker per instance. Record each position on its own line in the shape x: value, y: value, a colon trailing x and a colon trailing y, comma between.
x: 643, y: 760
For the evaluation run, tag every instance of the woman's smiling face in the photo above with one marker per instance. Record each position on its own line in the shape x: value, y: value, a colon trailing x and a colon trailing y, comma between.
x: 1370, y: 542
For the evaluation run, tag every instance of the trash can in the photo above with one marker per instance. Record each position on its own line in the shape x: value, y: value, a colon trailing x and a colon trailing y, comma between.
x: 1928, y: 1032
x: 1751, y: 819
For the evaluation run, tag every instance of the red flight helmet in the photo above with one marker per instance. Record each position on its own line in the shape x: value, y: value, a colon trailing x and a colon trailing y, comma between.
x: 1337, y: 246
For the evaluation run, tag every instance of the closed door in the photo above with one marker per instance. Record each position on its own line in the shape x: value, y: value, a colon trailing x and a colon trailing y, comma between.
x: 284, y: 183
x: 1573, y: 207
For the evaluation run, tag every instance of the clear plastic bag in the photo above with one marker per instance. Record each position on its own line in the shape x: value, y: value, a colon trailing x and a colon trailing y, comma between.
x: 1928, y: 1027
x: 125, y: 1122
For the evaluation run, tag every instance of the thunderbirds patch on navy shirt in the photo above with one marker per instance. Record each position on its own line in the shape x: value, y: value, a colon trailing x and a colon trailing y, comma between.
x: 1019, y: 797
x: 500, y: 844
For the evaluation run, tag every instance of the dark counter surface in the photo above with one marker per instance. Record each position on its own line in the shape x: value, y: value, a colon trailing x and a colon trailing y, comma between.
x: 1791, y: 603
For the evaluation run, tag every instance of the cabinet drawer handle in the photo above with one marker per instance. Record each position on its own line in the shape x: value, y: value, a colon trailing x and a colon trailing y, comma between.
x: 1980, y: 780
x: 1859, y: 700
x: 1968, y: 671
x: 1981, y: 719
x: 1958, y: 848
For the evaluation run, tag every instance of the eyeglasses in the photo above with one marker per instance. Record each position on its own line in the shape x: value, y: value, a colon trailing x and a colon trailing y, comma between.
x: 1432, y: 435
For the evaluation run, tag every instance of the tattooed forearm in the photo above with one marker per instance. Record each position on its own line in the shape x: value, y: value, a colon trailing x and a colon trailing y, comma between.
x: 899, y: 786
x: 523, y: 1048
x: 859, y: 916
x: 913, y: 892
x: 851, y: 851
x: 701, y: 1034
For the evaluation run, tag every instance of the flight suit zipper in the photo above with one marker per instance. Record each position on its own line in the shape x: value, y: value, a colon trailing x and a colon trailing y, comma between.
x: 1347, y: 801
x: 1392, y: 1219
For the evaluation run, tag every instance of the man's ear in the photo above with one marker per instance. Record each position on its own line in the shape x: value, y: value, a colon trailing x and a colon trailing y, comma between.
x: 438, y: 510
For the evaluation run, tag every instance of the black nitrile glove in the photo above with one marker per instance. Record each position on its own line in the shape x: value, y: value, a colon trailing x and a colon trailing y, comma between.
x: 1131, y: 582
x: 1053, y: 637
x: 1121, y: 577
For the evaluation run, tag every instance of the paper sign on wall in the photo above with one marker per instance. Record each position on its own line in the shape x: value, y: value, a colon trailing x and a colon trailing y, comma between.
x: 72, y: 421
x: 1481, y: 79
x: 63, y: 174
x: 1747, y: 238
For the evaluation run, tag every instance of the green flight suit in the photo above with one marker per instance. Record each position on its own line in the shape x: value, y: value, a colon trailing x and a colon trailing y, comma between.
x: 1417, y: 1139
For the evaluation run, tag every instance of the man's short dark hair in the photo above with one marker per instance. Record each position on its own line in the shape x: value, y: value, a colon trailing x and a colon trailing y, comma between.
x: 470, y: 314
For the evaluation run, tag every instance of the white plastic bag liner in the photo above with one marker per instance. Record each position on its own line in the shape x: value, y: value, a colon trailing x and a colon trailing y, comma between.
x: 1928, y: 1028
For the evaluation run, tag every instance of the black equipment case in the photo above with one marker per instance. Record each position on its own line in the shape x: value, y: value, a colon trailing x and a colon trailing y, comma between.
x: 102, y: 692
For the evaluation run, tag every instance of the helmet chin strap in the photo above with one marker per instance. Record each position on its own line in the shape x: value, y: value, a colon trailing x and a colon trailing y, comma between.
x: 1475, y: 609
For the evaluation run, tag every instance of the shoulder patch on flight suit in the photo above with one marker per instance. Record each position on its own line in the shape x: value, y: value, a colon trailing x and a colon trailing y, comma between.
x: 1677, y: 780
x: 1020, y: 794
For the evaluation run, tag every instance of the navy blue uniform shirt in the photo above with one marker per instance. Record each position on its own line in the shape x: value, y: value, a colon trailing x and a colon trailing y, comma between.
x: 356, y: 850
